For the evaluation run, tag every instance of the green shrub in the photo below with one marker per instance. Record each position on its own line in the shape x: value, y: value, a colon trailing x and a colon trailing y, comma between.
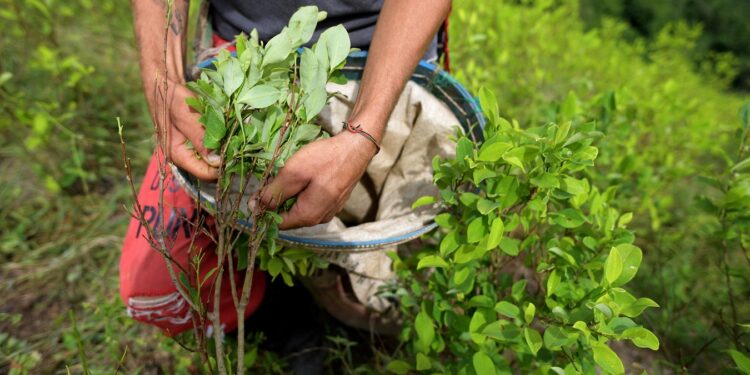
x: 531, y: 260
x: 666, y: 124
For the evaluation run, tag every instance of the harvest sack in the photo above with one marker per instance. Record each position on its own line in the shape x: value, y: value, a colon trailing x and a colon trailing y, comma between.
x: 378, y: 216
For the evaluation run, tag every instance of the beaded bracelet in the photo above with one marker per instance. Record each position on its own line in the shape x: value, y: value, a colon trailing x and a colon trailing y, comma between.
x: 358, y: 130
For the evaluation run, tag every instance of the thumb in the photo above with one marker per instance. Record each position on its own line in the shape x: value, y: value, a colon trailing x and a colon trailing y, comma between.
x: 285, y: 185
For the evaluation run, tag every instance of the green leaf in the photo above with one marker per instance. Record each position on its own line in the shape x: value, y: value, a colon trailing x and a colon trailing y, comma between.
x: 637, y: 307
x: 483, y: 173
x: 398, y: 367
x: 260, y: 96
x: 275, y: 265
x: 425, y: 330
x: 240, y: 44
x: 485, y: 206
x: 495, y: 330
x: 432, y: 261
x: 741, y: 165
x: 302, y: 25
x: 321, y: 54
x: 337, y: 44
x: 232, y: 75
x: 496, y: 233
x: 478, y: 320
x: 480, y: 301
x: 745, y: 118
x: 631, y: 257
x: 641, y: 338
x: 492, y: 152
x: 564, y: 255
x: 423, y: 362
x: 515, y: 157
x: 476, y: 230
x: 552, y: 282
x: 314, y: 102
x: 545, y: 181
x: 461, y: 275
x: 488, y: 102
x: 215, y: 128
x: 337, y: 77
x: 5, y: 77
x: 518, y: 289
x: 581, y: 326
x: 483, y: 364
x: 741, y: 360
x: 510, y: 246
x: 423, y: 201
x: 568, y: 110
x: 568, y: 218
x: 607, y: 359
x: 507, y: 309
x: 195, y: 103
x: 618, y: 325
x: 277, y: 49
x: 311, y: 76
x: 613, y: 268
x: 562, y: 132
x: 529, y: 312
x: 449, y: 243
x: 533, y: 339
x: 464, y: 148
x: 443, y: 220
x: 305, y: 133
x: 574, y: 186
x: 469, y: 199
x: 556, y: 337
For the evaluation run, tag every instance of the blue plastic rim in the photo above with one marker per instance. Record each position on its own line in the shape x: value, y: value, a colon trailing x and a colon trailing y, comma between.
x: 428, y: 75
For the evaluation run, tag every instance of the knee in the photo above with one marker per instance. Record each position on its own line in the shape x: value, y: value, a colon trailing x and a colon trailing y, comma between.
x: 169, y: 312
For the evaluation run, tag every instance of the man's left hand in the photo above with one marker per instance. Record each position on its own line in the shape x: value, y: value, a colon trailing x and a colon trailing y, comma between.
x: 321, y: 175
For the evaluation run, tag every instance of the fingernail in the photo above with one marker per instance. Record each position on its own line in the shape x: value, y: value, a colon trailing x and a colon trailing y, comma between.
x: 251, y: 205
x: 213, y: 159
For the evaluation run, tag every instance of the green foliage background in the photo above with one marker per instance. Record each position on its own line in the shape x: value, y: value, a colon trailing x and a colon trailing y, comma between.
x: 722, y: 22
x: 68, y: 68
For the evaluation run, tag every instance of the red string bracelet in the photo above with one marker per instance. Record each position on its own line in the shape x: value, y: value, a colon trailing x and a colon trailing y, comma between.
x: 358, y: 130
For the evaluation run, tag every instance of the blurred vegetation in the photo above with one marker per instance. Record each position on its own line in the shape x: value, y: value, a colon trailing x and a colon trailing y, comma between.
x: 672, y: 135
x: 723, y: 24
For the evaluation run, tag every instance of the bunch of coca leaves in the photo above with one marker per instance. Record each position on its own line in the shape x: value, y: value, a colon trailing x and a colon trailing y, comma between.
x: 259, y: 105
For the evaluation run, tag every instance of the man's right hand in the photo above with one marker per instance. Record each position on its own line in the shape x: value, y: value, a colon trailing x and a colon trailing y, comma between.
x: 182, y: 125
x: 162, y: 50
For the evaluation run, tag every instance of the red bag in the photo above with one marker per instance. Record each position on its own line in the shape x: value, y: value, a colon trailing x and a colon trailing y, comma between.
x: 146, y: 287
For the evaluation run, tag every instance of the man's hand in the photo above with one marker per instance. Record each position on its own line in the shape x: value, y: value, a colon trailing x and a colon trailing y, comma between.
x: 321, y: 175
x: 176, y: 122
x: 182, y: 125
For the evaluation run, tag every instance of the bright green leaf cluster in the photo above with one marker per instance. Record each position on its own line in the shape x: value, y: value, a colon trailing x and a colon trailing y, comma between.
x: 258, y: 106
x: 530, y: 258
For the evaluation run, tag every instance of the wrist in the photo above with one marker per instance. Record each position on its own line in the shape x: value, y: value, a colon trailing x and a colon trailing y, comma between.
x: 357, y: 146
x: 369, y: 122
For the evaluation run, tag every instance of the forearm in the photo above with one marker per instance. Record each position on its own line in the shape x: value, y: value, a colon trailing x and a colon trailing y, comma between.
x: 403, y: 32
x: 161, y: 44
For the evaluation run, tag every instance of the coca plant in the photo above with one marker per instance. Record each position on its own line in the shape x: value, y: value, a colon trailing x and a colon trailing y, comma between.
x: 528, y: 268
x: 265, y: 98
x: 258, y: 108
